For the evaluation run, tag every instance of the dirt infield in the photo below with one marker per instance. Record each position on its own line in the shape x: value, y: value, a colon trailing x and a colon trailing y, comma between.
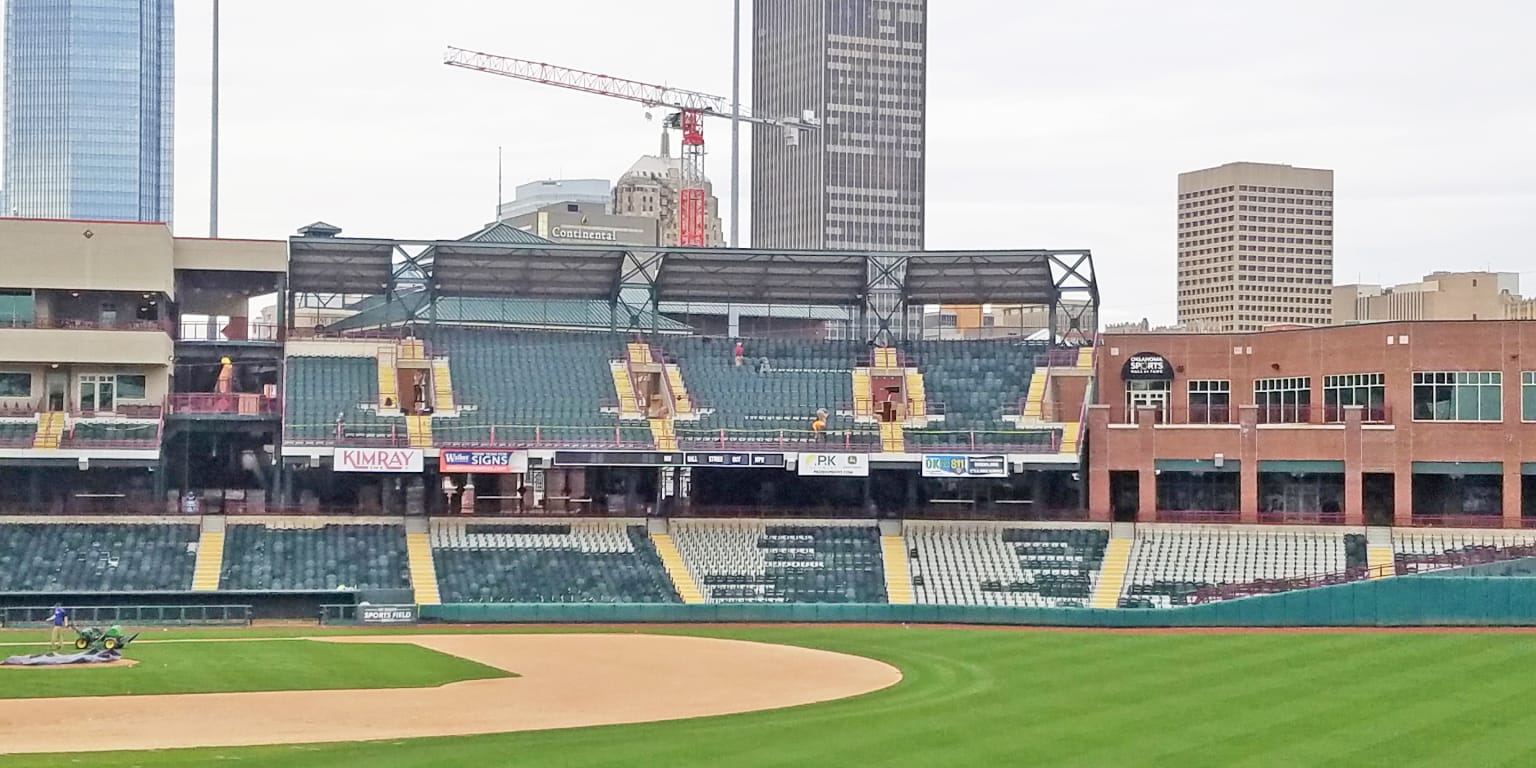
x: 565, y: 681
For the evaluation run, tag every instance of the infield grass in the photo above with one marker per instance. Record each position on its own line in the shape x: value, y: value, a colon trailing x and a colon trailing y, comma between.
x: 258, y: 665
x: 1002, y: 698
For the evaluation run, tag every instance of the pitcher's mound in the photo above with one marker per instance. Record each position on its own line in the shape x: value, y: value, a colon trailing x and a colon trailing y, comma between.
x: 564, y: 681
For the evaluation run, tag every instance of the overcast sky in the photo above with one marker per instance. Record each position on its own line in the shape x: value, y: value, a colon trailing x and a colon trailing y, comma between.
x: 1051, y: 123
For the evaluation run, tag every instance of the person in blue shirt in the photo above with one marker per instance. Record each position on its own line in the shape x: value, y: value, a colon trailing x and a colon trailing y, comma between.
x: 59, y: 620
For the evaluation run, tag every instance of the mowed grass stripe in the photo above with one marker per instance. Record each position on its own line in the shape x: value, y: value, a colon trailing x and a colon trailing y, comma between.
x: 258, y: 665
x: 976, y: 697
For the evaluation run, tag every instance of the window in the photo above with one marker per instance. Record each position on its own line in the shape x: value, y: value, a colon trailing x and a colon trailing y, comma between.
x: 1283, y: 401
x: 1458, y: 396
x: 1528, y: 396
x: 1210, y: 401
x: 1146, y: 394
x: 1368, y: 390
x: 15, y: 385
x: 131, y: 386
x: 16, y: 308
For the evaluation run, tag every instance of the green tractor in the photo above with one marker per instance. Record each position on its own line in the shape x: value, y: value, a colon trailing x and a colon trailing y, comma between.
x: 96, y: 638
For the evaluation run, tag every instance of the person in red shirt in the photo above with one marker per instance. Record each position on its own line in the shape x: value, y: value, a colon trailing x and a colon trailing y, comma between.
x: 741, y: 352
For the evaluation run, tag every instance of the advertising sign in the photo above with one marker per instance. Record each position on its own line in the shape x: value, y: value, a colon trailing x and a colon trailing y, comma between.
x: 1146, y: 366
x: 965, y: 466
x: 483, y: 462
x: 666, y: 459
x: 833, y: 465
x: 386, y: 614
x: 378, y: 460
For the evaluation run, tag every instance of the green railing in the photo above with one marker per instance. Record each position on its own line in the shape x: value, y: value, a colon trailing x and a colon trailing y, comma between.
x: 25, y: 616
x: 1394, y: 602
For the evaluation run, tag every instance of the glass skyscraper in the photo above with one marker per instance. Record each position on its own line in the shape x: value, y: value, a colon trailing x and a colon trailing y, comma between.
x: 88, y: 106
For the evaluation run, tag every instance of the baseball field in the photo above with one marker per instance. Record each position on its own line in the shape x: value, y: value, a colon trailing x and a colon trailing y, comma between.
x: 829, y: 695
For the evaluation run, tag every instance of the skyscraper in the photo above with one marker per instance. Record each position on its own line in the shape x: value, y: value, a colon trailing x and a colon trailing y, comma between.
x: 861, y: 66
x: 1255, y: 247
x: 88, y: 103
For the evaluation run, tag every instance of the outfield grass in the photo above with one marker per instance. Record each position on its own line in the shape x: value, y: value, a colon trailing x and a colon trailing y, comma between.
x: 988, y: 697
x: 259, y: 665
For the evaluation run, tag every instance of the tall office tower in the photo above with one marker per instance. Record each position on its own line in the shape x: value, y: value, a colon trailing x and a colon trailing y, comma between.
x: 1255, y: 247
x: 88, y: 104
x: 861, y: 66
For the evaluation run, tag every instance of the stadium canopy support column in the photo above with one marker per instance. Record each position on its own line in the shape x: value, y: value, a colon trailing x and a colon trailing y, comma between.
x: 1402, y: 490
x: 279, y: 472
x: 1248, y: 464
x: 1354, y: 480
x: 1512, y: 485
x: 1098, y: 499
x: 1146, y: 509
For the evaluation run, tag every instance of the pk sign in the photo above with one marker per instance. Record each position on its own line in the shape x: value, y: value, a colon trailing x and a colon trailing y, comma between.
x: 832, y: 465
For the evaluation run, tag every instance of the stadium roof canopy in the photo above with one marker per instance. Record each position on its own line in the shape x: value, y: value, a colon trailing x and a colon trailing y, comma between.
x: 501, y: 265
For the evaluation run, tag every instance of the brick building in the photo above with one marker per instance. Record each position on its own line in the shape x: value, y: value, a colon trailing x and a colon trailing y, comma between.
x: 1389, y: 423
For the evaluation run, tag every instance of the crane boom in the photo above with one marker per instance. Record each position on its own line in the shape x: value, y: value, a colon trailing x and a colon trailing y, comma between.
x: 649, y: 94
x: 692, y: 205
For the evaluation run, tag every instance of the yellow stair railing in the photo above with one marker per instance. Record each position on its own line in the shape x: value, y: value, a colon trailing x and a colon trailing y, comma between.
x: 210, y: 562
x: 418, y: 550
x: 672, y: 561
x: 898, y: 571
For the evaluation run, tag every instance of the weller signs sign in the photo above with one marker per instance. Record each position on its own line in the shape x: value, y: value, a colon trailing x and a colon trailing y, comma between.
x: 965, y: 466
x: 833, y: 465
x: 483, y: 462
x: 377, y: 460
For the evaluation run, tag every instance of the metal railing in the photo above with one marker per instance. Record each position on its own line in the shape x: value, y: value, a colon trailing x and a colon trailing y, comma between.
x: 231, y: 403
x: 1407, y: 563
x: 85, y: 324
x: 22, y: 616
x: 1214, y: 516
x: 215, y: 331
x: 1271, y: 586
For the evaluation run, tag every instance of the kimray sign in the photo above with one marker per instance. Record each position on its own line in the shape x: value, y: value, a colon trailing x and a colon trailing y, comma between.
x: 386, y: 614
x: 1146, y: 366
x: 377, y: 460
x: 832, y: 465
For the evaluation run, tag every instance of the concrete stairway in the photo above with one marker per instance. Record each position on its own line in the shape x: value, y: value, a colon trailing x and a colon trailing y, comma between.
x: 624, y: 387
x: 418, y: 548
x: 682, y: 405
x: 863, y: 395
x: 50, y: 430
x: 419, y: 429
x: 442, y: 386
x: 1117, y: 562
x: 917, y: 395
x: 1085, y: 358
x: 210, y: 555
x: 1378, y: 551
x: 898, y: 571
x: 389, y: 380
x: 1071, y: 433
x: 412, y: 349
x: 663, y: 434
x: 1034, y: 402
x: 892, y: 439
x: 672, y: 560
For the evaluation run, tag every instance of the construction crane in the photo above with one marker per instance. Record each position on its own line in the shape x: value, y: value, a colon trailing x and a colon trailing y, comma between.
x: 692, y: 206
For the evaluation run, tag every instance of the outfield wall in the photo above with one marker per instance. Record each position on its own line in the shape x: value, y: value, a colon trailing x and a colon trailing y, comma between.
x: 1394, y: 602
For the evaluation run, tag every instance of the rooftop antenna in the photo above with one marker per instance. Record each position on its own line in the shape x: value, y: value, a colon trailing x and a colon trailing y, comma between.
x: 498, y: 182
